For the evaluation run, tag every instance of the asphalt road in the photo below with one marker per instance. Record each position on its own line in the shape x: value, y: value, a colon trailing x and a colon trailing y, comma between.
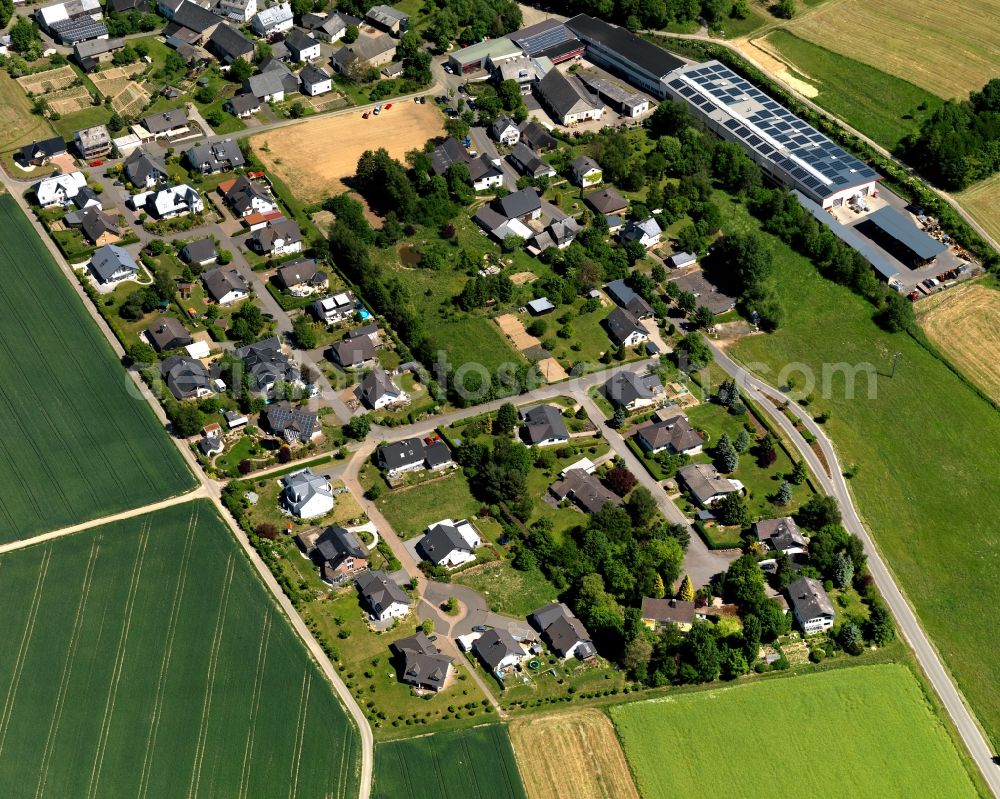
x: 834, y: 484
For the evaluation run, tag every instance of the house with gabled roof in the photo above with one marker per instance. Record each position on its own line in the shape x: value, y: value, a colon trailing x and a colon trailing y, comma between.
x: 39, y: 153
x: 632, y: 391
x: 301, y: 46
x: 657, y: 613
x: 353, y: 352
x: 292, y: 423
x: 145, y: 170
x: 98, y: 227
x: 811, y: 605
x: 242, y: 105
x: 563, y: 632
x: 780, y: 535
x: 543, y: 426
x: 220, y: 156
x: 280, y: 236
x: 505, y: 131
x: 586, y: 171
x: 225, y: 285
x: 331, y: 27
x: 59, y: 189
x: 381, y: 596
x: 705, y: 483
x: 423, y: 666
x: 366, y: 52
x: 449, y: 544
x: 333, y: 309
x: 187, y: 378
x: 227, y: 44
x: 673, y: 435
x: 200, y: 252
x: 389, y: 19
x: 274, y: 19
x: 376, y: 390
x: 537, y: 137
x: 112, y: 264
x: 499, y: 651
x: 266, y: 365
x: 339, y: 554
x: 624, y: 328
x: 306, y: 495
x: 626, y: 297
x: 315, y: 80
x: 525, y: 161
x: 301, y: 276
x: 173, y: 122
x: 647, y: 232
x: 567, y: 102
x: 584, y: 490
x: 167, y: 333
x: 272, y: 83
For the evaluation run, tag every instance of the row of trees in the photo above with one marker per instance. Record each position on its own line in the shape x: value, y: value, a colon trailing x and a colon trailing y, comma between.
x: 467, y: 21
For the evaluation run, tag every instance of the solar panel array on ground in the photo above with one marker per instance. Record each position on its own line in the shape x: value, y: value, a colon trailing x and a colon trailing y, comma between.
x: 771, y: 129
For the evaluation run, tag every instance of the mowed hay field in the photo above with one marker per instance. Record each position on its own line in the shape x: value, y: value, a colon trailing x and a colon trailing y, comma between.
x: 18, y: 125
x: 949, y: 48
x: 982, y: 201
x: 451, y: 765
x: 861, y: 732
x: 591, y: 764
x: 79, y: 444
x: 964, y: 323
x: 145, y: 659
x: 313, y: 157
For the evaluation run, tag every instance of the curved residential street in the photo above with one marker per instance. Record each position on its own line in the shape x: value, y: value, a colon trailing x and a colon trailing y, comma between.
x: 769, y: 399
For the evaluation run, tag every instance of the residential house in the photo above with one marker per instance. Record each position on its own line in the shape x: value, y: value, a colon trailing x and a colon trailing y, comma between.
x: 583, y: 489
x: 167, y: 333
x: 292, y: 423
x: 647, y: 232
x: 238, y: 11
x: 607, y: 202
x: 377, y: 391
x: 449, y: 544
x: 266, y: 365
x: 499, y: 651
x: 227, y: 44
x: 528, y: 164
x: 306, y: 495
x: 39, y: 153
x: 673, y: 435
x: 537, y: 137
x: 412, y: 454
x: 780, y: 535
x: 633, y: 391
x: 388, y: 19
x: 565, y: 99
x: 166, y: 124
x: 543, y: 426
x: 59, y: 189
x: 275, y: 19
x: 187, y: 378
x: 811, y: 605
x: 170, y: 202
x: 301, y: 277
x: 484, y: 173
x: 243, y: 105
x: 301, y: 46
x: 586, y: 172
x: 447, y: 153
x: 93, y: 142
x: 145, y: 170
x: 90, y: 54
x: 505, y: 131
x: 98, y: 227
x: 190, y: 25
x: 335, y: 309
x: 245, y: 197
x: 235, y: 419
x: 365, y: 53
x: 383, y: 598
x: 225, y: 285
x: 558, y: 233
x: 681, y: 259
x: 353, y: 353
x: 340, y: 555
x: 706, y: 485
x: 211, y: 442
x: 84, y: 199
x: 437, y: 456
x: 624, y: 328
x: 279, y: 237
x: 506, y: 216
x: 315, y: 81
x: 330, y: 28
x: 201, y: 252
x: 657, y: 613
x: 112, y: 264
x: 272, y: 83
x: 423, y: 665
x: 563, y: 632
x: 625, y: 296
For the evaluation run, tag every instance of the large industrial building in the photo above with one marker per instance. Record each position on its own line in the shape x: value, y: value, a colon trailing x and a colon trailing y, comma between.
x: 623, y: 53
x: 790, y: 151
x: 549, y: 39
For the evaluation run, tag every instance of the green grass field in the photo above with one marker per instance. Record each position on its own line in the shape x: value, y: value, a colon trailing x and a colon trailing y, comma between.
x: 860, y: 732
x: 80, y: 443
x: 454, y: 765
x: 869, y: 100
x: 146, y: 659
x: 925, y: 446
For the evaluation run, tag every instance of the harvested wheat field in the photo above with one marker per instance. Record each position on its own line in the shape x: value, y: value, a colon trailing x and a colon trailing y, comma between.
x: 583, y: 743
x: 964, y: 323
x: 981, y: 200
x: 314, y: 156
x: 949, y: 49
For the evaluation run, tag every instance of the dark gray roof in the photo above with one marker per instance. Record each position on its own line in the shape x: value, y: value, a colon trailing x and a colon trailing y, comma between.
x: 401, y: 453
x: 629, y: 47
x: 266, y: 363
x: 809, y: 600
x: 537, y: 137
x: 543, y: 422
x: 625, y: 296
x: 71, y: 31
x: 423, y: 666
x: 625, y: 387
x: 243, y: 103
x: 46, y: 148
x: 352, y: 351
x: 606, y: 201
x: 285, y: 418
x: 228, y: 43
x: 565, y: 95
x: 439, y: 542
x: 547, y: 614
x: 668, y: 611
x: 198, y: 251
x: 675, y: 433
x: 418, y: 642
x: 585, y: 490
x: 376, y: 384
x: 364, y: 49
x: 217, y: 156
x: 167, y: 332
x: 780, y: 534
x: 900, y: 227
x: 166, y: 120
x: 336, y: 543
x: 621, y: 324
x: 584, y: 164
x: 494, y: 645
x: 263, y: 239
x: 527, y: 161
x: 437, y: 454
x: 140, y: 165
x: 447, y: 153
x: 95, y: 223
x: 379, y: 591
x: 109, y: 259
x: 543, y: 37
x: 565, y: 633
x: 520, y: 203
x: 301, y: 270
x: 193, y: 17
x: 297, y: 40
x: 482, y: 167
x: 221, y: 280
x: 184, y: 376
x: 312, y: 74
x: 704, y: 482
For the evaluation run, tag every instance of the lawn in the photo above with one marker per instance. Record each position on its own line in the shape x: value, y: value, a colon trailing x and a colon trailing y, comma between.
x: 68, y: 124
x: 410, y: 509
x: 17, y: 124
x: 925, y: 446
x: 865, y: 732
x: 880, y: 105
x: 452, y: 765
x: 148, y: 657
x: 85, y: 445
x: 509, y: 591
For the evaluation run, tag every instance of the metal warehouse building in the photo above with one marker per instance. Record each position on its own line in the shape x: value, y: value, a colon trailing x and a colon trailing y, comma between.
x: 548, y: 38
x: 623, y: 53
x: 792, y: 152
x: 474, y: 57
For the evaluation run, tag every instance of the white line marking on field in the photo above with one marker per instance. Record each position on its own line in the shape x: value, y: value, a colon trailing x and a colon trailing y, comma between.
x: 258, y: 690
x: 300, y: 731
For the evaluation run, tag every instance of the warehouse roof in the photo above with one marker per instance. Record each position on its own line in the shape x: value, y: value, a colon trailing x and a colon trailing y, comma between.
x: 818, y: 165
x: 902, y: 229
x: 495, y: 48
x: 645, y: 55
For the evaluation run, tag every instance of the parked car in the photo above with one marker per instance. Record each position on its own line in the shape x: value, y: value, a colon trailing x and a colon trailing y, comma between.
x: 377, y: 110
x: 479, y: 628
x: 366, y: 114
x: 97, y: 162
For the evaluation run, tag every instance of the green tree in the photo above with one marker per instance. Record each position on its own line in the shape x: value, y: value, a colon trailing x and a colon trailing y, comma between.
x: 351, y: 34
x: 785, y: 9
x: 304, y: 332
x: 637, y: 657
x: 6, y: 12
x: 620, y: 418
x: 784, y: 494
x: 692, y: 353
x: 726, y: 457
x: 732, y: 663
x: 641, y: 506
x: 140, y: 353
x: 23, y: 35
x: 767, y: 453
x: 185, y: 417
x: 686, y: 592
x: 742, y: 442
x: 799, y: 473
x: 506, y: 419
x: 703, y: 317
x: 818, y: 512
x: 699, y: 655
x: 850, y: 638
x: 240, y: 70
x: 732, y: 510
x: 880, y: 628
x: 843, y: 570
x: 751, y: 637
x: 359, y: 426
